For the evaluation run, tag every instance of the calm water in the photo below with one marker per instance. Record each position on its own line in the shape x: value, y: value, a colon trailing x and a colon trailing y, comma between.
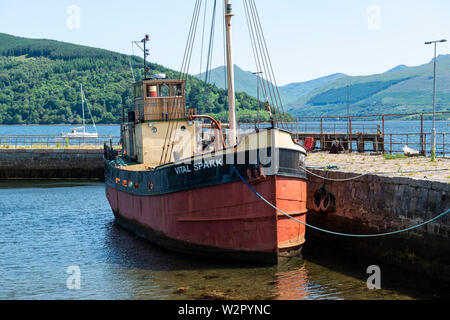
x: 103, y: 130
x: 330, y: 126
x: 48, y: 226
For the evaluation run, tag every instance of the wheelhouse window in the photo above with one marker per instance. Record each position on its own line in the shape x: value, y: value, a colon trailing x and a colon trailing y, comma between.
x: 138, y: 92
x: 164, y: 90
x: 177, y: 90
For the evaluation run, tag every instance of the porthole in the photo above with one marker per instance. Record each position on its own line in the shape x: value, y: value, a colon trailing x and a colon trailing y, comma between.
x: 154, y: 130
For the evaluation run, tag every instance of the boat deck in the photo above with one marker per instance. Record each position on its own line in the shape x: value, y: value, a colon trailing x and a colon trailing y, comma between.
x: 136, y: 167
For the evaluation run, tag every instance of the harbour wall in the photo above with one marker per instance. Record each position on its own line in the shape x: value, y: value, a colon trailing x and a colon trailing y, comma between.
x: 51, y: 164
x: 376, y: 204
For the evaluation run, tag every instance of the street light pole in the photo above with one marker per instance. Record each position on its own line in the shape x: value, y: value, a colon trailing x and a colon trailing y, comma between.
x: 348, y: 109
x: 433, y: 133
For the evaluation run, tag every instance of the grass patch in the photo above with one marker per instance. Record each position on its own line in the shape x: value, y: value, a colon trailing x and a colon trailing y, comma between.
x: 394, y: 156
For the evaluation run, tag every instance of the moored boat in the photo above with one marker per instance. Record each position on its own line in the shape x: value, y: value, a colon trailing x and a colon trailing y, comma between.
x: 80, y: 132
x: 178, y: 180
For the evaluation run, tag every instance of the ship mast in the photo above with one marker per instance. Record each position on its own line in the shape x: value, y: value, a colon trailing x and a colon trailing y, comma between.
x: 82, y: 107
x: 230, y: 76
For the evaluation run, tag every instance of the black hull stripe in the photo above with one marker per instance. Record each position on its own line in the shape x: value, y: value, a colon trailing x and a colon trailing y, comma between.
x: 178, y: 177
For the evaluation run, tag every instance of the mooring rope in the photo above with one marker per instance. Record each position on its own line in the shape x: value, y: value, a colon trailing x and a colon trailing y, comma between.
x: 339, y: 233
x: 365, y: 174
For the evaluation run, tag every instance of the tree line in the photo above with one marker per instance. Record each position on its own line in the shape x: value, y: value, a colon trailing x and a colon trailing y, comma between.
x: 40, y: 84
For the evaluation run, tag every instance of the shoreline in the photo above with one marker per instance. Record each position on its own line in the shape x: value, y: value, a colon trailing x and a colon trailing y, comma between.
x: 60, y: 124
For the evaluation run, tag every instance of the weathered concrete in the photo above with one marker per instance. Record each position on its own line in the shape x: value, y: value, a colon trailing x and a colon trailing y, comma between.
x: 379, y: 204
x: 51, y: 164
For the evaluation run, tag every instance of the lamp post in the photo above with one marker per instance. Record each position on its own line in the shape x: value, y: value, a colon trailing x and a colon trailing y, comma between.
x: 433, y: 148
x: 348, y: 109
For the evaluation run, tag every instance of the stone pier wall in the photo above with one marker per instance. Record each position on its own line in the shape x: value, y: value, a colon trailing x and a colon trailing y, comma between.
x: 51, y: 164
x: 379, y: 204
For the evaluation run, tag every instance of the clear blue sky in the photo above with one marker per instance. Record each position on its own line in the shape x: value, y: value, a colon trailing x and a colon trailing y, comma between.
x: 307, y: 39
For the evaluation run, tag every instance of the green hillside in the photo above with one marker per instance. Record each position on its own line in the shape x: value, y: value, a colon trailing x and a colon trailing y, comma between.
x: 40, y: 81
x: 399, y: 90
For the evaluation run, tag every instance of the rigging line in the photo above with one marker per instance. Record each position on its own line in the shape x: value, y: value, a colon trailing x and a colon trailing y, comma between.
x: 265, y: 65
x: 192, y: 43
x: 256, y: 60
x: 211, y: 44
x: 189, y: 39
x: 224, y: 26
x: 194, y: 32
x: 256, y: 54
x: 260, y: 55
x: 89, y: 109
x: 189, y: 50
x: 203, y: 38
x: 255, y: 45
x: 184, y: 67
x: 339, y: 233
x: 210, y: 53
x: 172, y: 145
x: 169, y: 137
x: 270, y: 64
x: 266, y: 57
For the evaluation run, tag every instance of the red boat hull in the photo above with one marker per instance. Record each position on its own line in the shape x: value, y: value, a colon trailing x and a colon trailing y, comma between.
x: 224, y: 221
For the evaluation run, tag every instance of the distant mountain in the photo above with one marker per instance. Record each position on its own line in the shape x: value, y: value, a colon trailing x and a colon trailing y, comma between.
x: 246, y: 81
x: 400, y: 90
x: 397, y: 68
x: 294, y: 91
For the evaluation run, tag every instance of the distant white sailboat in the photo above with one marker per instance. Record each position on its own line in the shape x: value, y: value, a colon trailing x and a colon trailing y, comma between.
x: 80, y: 132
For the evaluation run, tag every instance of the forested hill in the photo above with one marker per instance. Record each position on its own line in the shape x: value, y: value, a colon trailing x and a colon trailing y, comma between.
x: 40, y: 84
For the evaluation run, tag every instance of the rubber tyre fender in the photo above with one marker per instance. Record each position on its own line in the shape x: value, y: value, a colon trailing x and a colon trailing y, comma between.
x: 327, y: 204
x: 317, y: 199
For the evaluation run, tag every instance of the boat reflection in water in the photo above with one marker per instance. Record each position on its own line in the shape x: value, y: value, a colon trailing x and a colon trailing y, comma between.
x: 140, y: 270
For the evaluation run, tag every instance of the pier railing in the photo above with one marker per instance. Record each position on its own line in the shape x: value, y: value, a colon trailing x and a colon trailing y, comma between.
x: 55, y: 142
x: 371, y: 133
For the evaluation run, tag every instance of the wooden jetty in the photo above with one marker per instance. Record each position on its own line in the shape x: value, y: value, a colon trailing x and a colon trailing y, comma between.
x: 326, y: 140
x: 368, y: 137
